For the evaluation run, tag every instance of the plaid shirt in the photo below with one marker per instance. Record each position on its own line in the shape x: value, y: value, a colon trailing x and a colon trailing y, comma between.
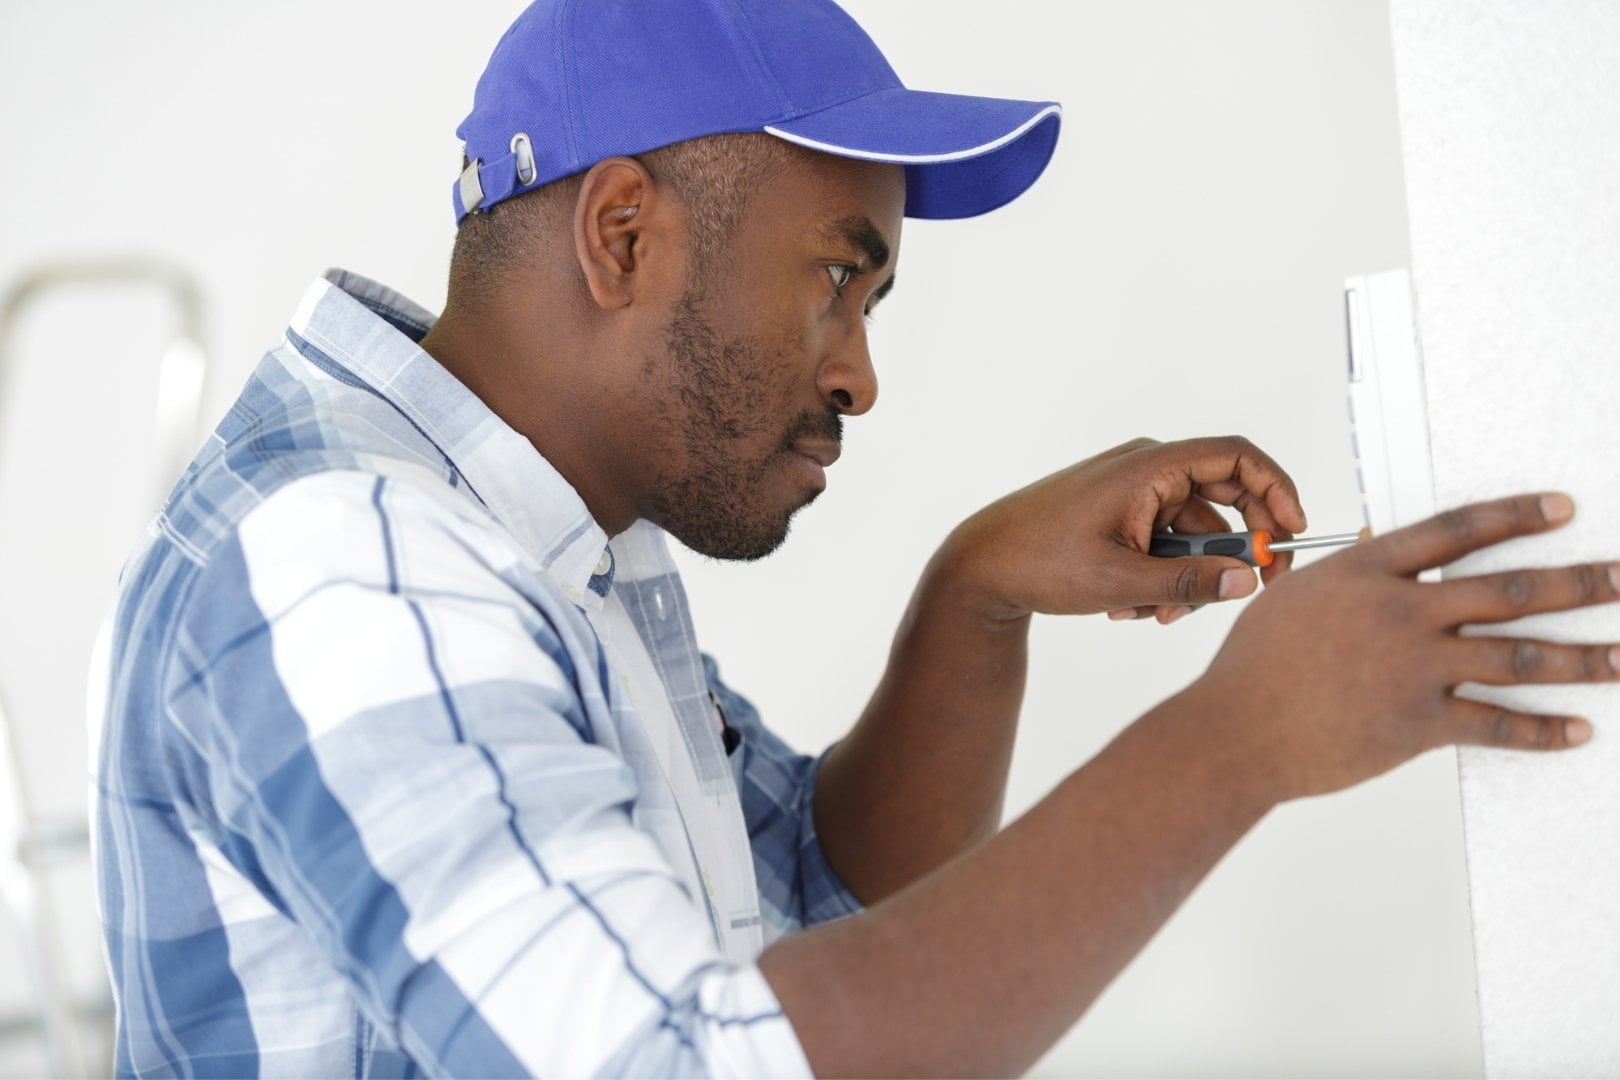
x: 373, y: 799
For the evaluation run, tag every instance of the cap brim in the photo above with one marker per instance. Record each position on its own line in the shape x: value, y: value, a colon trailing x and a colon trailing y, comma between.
x: 963, y: 155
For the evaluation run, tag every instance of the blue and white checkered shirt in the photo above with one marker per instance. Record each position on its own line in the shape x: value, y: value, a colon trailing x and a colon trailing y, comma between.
x: 375, y: 798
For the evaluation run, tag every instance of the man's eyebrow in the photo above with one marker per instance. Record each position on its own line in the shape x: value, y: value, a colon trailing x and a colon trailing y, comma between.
x: 859, y: 233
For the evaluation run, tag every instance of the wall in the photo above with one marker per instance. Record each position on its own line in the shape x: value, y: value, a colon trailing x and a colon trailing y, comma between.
x: 1177, y: 272
x: 1510, y: 117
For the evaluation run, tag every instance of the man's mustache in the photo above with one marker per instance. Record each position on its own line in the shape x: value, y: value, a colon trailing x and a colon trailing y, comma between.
x: 817, y: 427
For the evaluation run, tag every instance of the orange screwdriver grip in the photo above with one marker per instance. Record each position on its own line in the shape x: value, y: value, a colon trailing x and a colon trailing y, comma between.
x: 1262, y: 548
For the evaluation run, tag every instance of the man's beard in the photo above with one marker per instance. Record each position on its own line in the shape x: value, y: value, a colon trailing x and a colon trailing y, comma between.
x: 723, y: 394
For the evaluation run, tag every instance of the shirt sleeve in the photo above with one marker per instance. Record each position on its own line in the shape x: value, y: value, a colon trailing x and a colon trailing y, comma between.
x: 398, y: 747
x: 798, y: 887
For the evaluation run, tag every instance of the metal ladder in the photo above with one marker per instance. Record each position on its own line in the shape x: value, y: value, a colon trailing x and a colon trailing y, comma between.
x: 31, y: 844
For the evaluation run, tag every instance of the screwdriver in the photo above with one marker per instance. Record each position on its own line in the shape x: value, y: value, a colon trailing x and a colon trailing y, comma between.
x: 1255, y: 547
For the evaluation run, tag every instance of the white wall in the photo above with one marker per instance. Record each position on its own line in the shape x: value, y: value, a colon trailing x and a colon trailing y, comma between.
x: 1175, y: 273
x: 1510, y: 116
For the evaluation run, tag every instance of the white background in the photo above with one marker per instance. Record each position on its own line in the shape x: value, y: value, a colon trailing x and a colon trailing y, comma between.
x: 1176, y: 272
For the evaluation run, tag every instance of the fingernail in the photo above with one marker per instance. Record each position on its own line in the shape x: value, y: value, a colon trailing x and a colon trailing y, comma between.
x: 1118, y: 616
x: 1176, y: 614
x: 1557, y: 507
x: 1576, y: 731
x: 1236, y: 581
x: 1614, y: 575
x: 1614, y: 659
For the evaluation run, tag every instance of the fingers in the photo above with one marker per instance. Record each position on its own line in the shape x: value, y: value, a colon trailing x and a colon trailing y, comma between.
x: 1232, y: 471
x: 1509, y: 661
x: 1447, y: 537
x: 1183, y: 479
x: 1165, y: 613
x: 1276, y: 510
x: 1198, y: 516
x: 1194, y: 516
x: 1510, y: 595
x: 1515, y: 661
x: 1476, y: 723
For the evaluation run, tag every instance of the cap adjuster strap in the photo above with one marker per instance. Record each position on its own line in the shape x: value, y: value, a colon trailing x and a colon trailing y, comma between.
x: 469, y: 189
x: 482, y: 184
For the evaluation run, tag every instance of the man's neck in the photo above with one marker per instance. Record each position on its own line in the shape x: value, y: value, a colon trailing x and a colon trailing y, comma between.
x: 535, y: 391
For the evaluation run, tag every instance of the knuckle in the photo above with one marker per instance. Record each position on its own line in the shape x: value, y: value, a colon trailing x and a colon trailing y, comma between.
x: 1518, y: 588
x: 1501, y: 727
x: 1458, y: 523
x: 1591, y: 584
x: 1187, y: 585
x: 1525, y: 658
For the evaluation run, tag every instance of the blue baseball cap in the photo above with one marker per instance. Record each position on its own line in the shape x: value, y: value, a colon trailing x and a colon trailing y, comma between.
x: 576, y: 81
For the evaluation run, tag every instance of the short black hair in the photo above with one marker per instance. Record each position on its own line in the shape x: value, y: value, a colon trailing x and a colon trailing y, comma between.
x: 714, y: 176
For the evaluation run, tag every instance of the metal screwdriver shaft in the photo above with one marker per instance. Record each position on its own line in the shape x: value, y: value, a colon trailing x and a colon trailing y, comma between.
x: 1301, y: 543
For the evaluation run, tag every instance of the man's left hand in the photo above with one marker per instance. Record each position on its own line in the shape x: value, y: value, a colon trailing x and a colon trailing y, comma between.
x: 1076, y: 542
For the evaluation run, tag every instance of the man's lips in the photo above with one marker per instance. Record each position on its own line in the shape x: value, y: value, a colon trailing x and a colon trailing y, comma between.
x: 823, y: 454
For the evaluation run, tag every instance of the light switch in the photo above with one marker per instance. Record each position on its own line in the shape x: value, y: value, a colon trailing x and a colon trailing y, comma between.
x: 1388, y: 411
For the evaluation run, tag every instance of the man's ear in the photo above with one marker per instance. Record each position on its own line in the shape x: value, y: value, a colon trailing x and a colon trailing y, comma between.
x: 618, y: 209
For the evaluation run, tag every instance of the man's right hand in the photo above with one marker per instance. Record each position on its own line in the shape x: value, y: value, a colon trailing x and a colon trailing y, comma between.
x: 1337, y: 673
x: 1345, y: 669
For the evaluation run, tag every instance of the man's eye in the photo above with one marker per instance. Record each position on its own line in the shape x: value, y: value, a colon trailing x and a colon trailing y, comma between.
x: 842, y: 274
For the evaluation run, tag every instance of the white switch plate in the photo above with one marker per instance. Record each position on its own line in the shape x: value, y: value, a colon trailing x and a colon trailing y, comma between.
x: 1388, y: 411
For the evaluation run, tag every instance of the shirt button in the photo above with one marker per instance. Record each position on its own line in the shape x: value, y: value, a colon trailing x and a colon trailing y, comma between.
x: 658, y: 602
x: 604, y: 564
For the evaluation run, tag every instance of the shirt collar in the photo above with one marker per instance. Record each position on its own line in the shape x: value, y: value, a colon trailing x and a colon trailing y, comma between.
x: 373, y: 333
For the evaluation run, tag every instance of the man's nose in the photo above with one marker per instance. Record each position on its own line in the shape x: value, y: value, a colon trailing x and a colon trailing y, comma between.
x: 847, y: 378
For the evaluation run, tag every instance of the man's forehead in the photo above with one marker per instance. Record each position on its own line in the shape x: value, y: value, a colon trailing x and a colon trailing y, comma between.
x: 840, y: 200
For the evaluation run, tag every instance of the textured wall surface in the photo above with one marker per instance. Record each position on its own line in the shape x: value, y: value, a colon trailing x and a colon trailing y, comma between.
x: 1510, y: 117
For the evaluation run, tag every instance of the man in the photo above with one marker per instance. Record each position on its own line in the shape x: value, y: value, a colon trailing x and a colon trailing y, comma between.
x: 411, y: 763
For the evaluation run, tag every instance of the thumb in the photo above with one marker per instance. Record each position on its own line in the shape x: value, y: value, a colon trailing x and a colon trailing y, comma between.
x: 1194, y: 580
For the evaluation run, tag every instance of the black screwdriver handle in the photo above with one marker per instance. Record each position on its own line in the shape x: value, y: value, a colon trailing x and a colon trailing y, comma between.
x: 1176, y: 545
